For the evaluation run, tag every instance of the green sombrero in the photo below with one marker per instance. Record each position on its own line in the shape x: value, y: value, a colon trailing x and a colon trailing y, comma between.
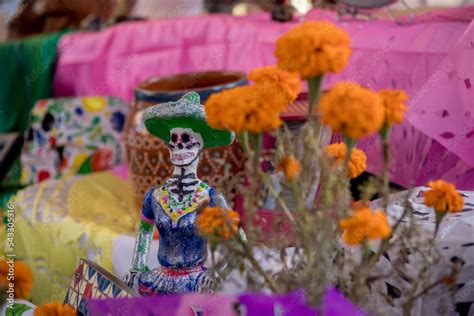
x: 187, y: 112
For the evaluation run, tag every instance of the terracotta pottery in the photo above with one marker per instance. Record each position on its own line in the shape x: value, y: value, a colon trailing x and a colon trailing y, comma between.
x: 147, y: 155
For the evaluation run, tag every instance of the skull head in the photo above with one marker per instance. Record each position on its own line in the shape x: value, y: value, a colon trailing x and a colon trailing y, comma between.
x: 185, y: 146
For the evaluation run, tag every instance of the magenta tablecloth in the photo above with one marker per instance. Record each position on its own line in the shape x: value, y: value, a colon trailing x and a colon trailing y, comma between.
x: 432, y: 59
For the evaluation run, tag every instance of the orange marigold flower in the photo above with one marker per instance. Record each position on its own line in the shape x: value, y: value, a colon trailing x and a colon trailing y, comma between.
x: 23, y: 277
x: 357, y: 161
x: 55, y: 309
x: 217, y: 221
x: 443, y: 197
x: 313, y: 49
x: 363, y: 224
x: 394, y: 105
x: 247, y: 108
x: 351, y: 109
x: 278, y: 80
x: 290, y: 167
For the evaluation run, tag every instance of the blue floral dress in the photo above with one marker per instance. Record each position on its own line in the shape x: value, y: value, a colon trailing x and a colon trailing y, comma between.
x: 182, y: 250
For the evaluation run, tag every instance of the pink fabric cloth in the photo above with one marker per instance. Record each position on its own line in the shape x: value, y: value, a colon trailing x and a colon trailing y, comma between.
x: 121, y: 171
x: 431, y: 59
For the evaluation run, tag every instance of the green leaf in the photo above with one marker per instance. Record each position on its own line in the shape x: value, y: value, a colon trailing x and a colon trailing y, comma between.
x: 17, y: 310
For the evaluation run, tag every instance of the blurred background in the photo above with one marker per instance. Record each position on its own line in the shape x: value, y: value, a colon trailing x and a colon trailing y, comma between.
x: 21, y: 18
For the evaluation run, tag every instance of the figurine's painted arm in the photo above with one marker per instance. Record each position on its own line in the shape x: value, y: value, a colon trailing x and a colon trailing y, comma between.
x: 141, y: 250
x: 143, y: 240
x: 220, y: 201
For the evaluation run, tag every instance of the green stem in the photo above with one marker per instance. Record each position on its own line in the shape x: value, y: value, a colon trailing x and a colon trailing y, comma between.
x: 384, y: 135
x: 244, y: 140
x: 297, y: 194
x: 385, y: 132
x: 314, y: 90
x: 350, y: 143
x: 249, y: 204
x: 439, y: 218
x: 367, y: 251
x: 257, y: 140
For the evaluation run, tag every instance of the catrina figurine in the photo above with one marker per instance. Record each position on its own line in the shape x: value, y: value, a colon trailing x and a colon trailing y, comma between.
x: 173, y: 206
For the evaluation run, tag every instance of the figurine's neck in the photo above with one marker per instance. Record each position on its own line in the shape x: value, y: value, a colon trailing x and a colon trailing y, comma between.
x: 190, y: 169
x: 184, y: 180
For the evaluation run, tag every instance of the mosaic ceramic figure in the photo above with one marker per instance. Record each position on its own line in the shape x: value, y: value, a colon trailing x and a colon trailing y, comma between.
x: 73, y: 136
x: 173, y: 207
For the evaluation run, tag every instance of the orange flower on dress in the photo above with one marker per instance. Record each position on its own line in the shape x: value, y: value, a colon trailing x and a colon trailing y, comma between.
x: 313, y: 49
x: 55, y: 309
x: 364, y: 224
x: 247, y: 108
x: 394, y: 105
x: 352, y: 110
x: 443, y: 197
x: 357, y: 161
x: 23, y: 278
x: 290, y: 167
x: 278, y: 80
x: 217, y: 221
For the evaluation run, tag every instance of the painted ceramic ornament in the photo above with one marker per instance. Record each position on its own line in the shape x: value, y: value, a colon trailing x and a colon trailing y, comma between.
x: 147, y: 155
x: 173, y: 207
x: 73, y: 136
x: 92, y: 282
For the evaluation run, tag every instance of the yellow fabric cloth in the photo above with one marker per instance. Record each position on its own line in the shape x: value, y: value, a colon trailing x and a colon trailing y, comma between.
x: 58, y: 222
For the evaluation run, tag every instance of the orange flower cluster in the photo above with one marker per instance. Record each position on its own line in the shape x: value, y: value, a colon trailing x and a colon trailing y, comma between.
x: 357, y: 161
x: 255, y: 108
x: 443, y: 197
x: 23, y: 278
x: 242, y: 109
x: 313, y: 49
x: 363, y: 224
x: 352, y: 110
x: 280, y: 81
x: 394, y: 105
x: 290, y: 167
x: 216, y: 221
x: 55, y: 309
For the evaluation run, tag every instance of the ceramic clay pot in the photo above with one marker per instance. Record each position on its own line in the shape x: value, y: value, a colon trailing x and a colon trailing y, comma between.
x: 147, y: 155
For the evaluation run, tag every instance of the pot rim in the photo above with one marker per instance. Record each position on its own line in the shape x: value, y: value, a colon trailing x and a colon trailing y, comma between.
x: 241, y: 77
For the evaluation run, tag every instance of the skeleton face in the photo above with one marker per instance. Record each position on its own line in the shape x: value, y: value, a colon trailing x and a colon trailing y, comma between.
x: 184, y: 146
